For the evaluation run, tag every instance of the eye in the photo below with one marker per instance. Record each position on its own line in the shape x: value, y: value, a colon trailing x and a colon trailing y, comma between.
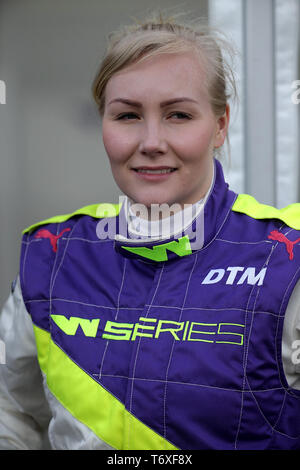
x: 126, y: 116
x: 180, y: 115
x: 129, y: 116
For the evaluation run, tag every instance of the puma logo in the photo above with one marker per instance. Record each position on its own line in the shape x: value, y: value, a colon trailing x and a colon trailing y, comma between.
x: 43, y: 233
x: 275, y: 235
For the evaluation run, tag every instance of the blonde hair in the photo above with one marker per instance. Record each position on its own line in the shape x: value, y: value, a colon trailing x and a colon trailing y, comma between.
x: 159, y: 34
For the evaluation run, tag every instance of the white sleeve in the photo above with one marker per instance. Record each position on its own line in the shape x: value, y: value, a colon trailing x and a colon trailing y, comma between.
x: 291, y: 339
x: 24, y: 412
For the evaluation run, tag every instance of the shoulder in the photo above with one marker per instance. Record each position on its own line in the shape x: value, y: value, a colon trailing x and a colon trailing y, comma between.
x: 248, y: 205
x: 41, y: 240
x: 97, y: 211
x: 44, y: 245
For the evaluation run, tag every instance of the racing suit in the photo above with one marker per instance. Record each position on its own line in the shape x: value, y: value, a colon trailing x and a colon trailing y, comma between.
x: 160, y: 344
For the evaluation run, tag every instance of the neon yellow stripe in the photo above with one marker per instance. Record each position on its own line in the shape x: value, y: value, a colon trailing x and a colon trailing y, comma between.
x: 42, y: 339
x: 91, y: 404
x: 246, y: 204
x: 94, y: 210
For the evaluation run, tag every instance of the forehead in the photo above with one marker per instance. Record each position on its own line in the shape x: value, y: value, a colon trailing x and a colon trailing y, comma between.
x: 164, y: 74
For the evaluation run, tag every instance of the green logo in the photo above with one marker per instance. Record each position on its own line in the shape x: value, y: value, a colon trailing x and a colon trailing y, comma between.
x: 153, y: 328
x: 70, y: 325
x: 181, y: 247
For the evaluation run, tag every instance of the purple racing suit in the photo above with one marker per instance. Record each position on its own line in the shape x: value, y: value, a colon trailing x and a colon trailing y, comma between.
x: 174, y: 343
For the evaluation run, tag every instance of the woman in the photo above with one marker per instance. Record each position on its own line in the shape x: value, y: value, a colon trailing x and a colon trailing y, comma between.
x: 152, y: 335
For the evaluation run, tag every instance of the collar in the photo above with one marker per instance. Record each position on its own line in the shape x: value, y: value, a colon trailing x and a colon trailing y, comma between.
x: 196, y: 235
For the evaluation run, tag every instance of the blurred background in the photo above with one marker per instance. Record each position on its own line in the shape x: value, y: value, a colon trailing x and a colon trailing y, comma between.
x: 51, y: 152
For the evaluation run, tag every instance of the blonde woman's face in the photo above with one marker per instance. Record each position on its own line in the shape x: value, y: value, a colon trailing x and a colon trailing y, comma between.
x: 159, y: 130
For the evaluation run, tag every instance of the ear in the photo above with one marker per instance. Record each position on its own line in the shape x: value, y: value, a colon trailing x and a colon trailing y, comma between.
x: 222, y: 127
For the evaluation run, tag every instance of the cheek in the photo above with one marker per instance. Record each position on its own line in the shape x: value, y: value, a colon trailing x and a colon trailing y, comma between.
x: 110, y: 143
x: 204, y: 137
x: 195, y: 145
x: 197, y: 137
x: 116, y: 144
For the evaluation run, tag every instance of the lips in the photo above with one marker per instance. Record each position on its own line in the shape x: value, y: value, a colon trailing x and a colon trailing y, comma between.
x: 161, y: 170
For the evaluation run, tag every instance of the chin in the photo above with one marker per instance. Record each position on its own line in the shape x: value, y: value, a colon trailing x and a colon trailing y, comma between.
x: 151, y: 201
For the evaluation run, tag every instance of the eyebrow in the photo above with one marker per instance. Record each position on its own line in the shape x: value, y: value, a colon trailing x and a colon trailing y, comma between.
x: 163, y: 104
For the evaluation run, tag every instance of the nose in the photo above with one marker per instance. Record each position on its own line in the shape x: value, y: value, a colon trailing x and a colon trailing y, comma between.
x: 152, y: 140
